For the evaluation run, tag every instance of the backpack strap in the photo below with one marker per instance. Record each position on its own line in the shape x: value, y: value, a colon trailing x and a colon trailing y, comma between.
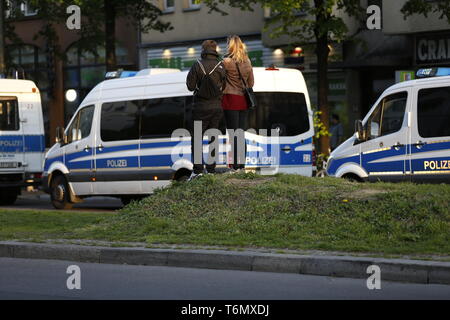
x: 204, y: 70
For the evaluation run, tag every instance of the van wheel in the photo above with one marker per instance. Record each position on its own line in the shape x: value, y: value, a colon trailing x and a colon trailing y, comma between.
x: 8, y: 196
x: 59, y: 193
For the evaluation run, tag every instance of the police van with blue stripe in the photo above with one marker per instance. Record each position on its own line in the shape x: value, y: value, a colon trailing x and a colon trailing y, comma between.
x: 404, y: 137
x: 119, y: 142
x: 22, y: 143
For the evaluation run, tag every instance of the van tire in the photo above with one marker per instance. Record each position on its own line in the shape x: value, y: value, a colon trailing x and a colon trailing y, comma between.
x: 60, y: 193
x: 8, y: 196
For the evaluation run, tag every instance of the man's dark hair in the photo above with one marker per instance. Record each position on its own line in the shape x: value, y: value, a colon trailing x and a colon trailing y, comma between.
x: 209, y: 47
x: 335, y: 117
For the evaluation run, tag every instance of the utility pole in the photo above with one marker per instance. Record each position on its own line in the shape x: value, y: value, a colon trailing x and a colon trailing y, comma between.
x: 2, y: 39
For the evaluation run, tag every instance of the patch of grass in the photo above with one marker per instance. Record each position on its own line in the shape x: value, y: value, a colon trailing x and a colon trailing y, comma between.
x: 38, y: 226
x: 282, y: 212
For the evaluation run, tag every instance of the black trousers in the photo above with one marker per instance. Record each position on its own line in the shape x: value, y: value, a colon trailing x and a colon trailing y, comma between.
x: 210, y: 119
x: 237, y: 119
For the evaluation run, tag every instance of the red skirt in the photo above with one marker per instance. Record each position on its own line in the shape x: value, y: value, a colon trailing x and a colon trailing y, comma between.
x: 234, y: 102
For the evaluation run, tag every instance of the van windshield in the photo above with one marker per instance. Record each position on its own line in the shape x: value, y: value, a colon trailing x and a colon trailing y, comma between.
x: 9, y: 114
x: 284, y: 111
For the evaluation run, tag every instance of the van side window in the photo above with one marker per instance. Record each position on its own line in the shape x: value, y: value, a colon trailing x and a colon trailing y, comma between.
x: 9, y: 114
x: 81, y: 125
x: 433, y: 111
x: 388, y: 117
x: 120, y: 121
x: 160, y: 117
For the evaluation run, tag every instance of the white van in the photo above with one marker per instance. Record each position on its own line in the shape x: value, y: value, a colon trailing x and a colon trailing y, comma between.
x: 404, y: 137
x: 22, y: 144
x: 119, y: 141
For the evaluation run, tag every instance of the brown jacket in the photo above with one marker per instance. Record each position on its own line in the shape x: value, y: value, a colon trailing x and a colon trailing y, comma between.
x: 234, y: 83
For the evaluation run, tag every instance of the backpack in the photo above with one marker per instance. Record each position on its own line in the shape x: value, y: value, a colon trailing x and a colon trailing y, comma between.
x: 208, y: 89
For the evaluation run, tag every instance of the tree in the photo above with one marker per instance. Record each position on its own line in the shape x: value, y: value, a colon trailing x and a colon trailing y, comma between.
x: 321, y: 24
x: 424, y: 8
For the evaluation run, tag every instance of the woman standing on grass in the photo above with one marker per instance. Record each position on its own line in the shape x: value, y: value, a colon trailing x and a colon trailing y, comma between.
x: 239, y: 74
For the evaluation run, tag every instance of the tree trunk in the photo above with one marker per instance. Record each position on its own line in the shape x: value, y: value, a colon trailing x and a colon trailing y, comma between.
x: 110, y: 35
x: 322, y: 52
x: 2, y: 40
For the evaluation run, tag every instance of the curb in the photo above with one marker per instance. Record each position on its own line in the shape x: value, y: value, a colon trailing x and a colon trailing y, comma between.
x: 425, y: 272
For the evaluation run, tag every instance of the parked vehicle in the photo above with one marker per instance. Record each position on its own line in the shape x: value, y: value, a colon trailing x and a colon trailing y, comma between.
x: 404, y: 137
x: 22, y: 143
x: 119, y: 142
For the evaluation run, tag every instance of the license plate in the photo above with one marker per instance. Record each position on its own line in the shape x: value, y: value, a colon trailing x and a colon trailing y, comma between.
x: 8, y: 165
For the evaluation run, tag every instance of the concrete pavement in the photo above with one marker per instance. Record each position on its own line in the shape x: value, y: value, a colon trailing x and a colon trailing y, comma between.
x: 46, y: 279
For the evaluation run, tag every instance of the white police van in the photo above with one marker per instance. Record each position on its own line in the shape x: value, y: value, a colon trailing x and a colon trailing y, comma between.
x: 119, y: 141
x: 404, y: 137
x: 22, y: 144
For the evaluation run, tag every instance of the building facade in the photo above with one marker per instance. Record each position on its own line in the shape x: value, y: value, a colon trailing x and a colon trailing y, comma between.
x: 54, y: 75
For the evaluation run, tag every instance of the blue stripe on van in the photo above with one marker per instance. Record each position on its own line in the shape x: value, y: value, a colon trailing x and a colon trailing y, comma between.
x: 19, y: 143
x: 417, y: 164
x: 303, y: 157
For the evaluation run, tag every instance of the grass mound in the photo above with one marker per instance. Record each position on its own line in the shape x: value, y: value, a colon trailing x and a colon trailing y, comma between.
x: 288, y: 211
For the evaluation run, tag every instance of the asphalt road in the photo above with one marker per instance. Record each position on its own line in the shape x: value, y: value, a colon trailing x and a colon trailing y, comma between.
x: 47, y: 279
x: 41, y: 201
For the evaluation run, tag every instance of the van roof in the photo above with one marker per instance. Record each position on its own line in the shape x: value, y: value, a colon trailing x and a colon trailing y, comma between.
x: 17, y: 86
x: 419, y: 82
x: 174, y: 83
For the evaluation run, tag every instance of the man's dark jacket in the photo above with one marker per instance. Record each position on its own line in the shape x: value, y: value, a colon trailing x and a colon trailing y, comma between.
x: 196, y: 74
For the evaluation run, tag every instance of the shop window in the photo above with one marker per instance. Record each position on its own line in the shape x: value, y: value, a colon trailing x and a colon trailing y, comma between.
x: 433, y: 111
x: 84, y: 69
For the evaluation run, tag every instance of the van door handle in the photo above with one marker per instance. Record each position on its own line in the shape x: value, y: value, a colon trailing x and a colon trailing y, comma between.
x: 398, y: 146
x: 87, y: 148
x: 287, y: 149
x: 100, y: 148
x: 419, y: 144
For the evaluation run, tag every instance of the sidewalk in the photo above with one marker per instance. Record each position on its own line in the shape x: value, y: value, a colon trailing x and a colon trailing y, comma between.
x: 414, y: 271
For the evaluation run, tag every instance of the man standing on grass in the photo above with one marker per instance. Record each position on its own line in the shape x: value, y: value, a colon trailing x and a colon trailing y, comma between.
x: 207, y: 79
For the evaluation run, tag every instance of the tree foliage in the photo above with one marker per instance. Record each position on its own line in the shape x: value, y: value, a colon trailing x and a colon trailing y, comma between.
x: 424, y: 8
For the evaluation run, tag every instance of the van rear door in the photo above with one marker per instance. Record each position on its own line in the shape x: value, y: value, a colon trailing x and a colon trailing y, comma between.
x: 430, y: 143
x: 289, y: 148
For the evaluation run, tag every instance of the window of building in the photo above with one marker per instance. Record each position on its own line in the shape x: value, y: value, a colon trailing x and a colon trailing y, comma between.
x: 9, y: 114
x: 83, y: 70
x: 388, y: 117
x: 169, y: 5
x: 194, y: 4
x: 160, y: 117
x: 20, y: 8
x: 81, y: 125
x: 433, y: 111
x: 120, y: 121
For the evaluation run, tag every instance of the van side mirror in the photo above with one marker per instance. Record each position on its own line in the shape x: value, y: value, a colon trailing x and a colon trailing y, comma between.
x: 60, y: 136
x: 361, y: 133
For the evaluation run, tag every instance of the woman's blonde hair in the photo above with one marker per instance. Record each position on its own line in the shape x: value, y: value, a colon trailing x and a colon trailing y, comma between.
x: 236, y: 49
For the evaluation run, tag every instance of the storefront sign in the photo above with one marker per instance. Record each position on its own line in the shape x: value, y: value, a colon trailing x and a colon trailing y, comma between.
x: 433, y: 49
